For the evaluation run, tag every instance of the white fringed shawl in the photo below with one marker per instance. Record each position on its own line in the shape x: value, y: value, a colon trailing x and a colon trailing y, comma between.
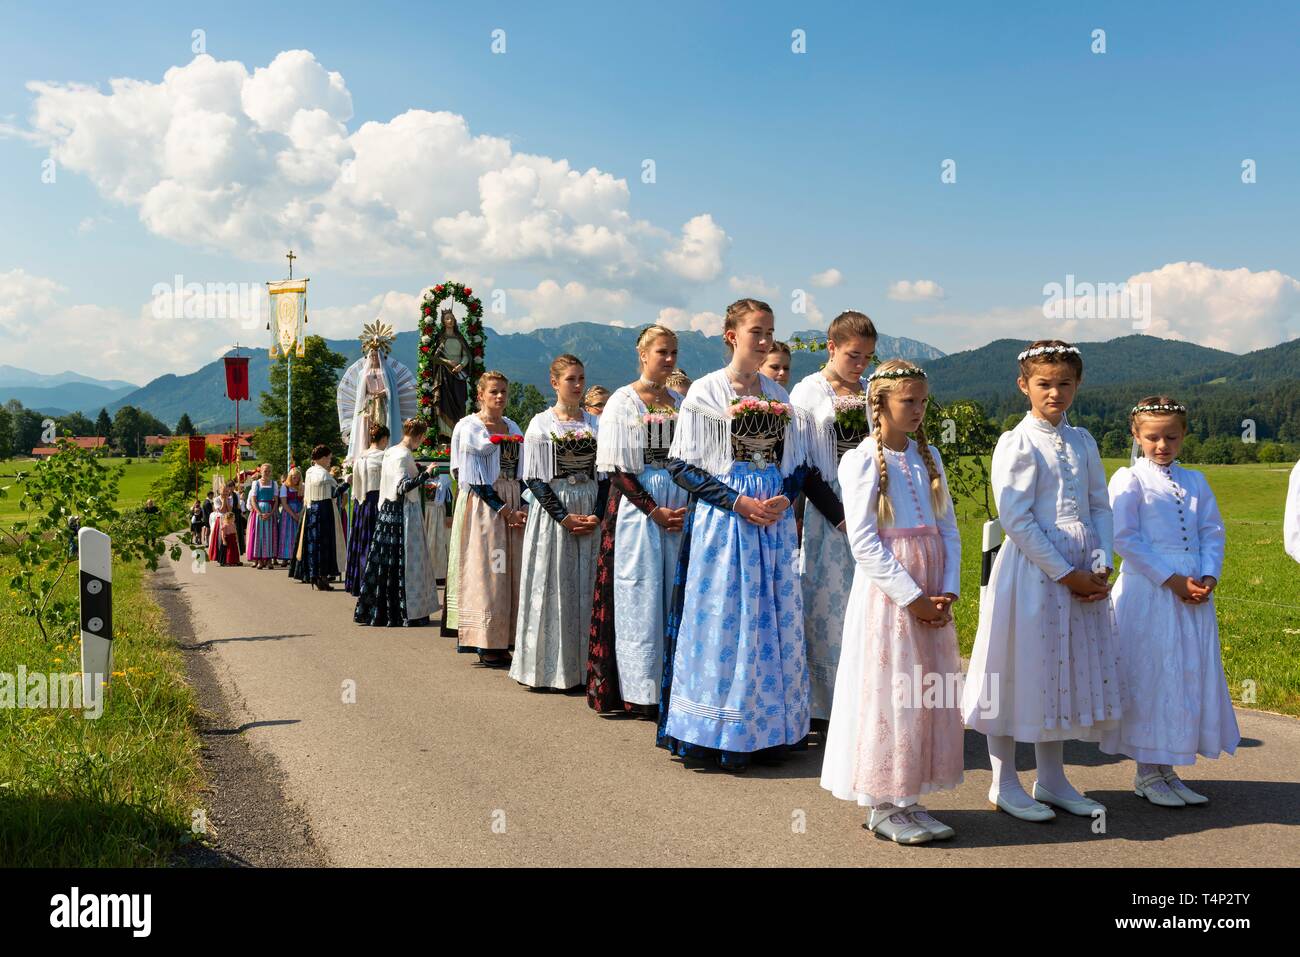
x: 537, y: 461
x: 621, y: 442
x: 480, y: 458
x: 703, y: 434
x: 816, y: 396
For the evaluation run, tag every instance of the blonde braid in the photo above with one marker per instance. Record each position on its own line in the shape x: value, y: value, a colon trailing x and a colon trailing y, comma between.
x: 938, y: 500
x: 884, y: 507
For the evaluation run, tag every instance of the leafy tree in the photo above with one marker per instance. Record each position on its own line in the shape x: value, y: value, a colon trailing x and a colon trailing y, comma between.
x: 104, y: 425
x: 185, y: 426
x: 1217, y: 450
x: 963, y: 435
x: 28, y: 425
x: 1011, y: 421
x: 315, y: 411
x: 1116, y: 444
x: 1272, y: 452
x: 75, y: 423
x: 72, y: 489
x: 524, y: 401
x: 175, y: 487
x: 6, y: 433
x: 131, y: 425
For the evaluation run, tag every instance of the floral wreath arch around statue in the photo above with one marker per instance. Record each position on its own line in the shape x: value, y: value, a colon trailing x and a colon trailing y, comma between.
x: 472, y: 329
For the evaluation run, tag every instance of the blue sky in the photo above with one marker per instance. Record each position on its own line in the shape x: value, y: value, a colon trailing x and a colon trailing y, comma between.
x: 1103, y: 166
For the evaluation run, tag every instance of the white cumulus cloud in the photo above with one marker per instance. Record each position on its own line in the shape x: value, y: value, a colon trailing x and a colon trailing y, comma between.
x: 709, y: 323
x: 915, y: 291
x: 827, y: 279
x: 242, y: 162
x: 754, y: 287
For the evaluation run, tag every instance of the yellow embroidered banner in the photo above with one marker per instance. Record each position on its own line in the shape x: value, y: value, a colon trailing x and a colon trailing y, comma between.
x: 288, y: 315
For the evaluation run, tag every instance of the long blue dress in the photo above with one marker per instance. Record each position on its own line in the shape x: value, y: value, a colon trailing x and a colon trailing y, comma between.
x: 735, y: 665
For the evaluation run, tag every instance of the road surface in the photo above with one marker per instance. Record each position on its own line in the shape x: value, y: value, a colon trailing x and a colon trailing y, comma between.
x: 441, y: 762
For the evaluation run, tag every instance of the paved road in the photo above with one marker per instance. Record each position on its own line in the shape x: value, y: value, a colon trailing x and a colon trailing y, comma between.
x: 442, y: 762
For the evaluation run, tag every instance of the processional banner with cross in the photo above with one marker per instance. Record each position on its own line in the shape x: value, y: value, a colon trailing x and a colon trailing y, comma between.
x: 288, y: 316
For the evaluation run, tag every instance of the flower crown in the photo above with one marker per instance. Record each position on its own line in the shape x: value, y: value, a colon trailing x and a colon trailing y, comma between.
x: 910, y: 372
x: 1160, y: 407
x: 1045, y: 350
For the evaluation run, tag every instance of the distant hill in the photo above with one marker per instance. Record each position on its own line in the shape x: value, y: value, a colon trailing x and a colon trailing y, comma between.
x: 1220, y: 388
x: 607, y: 351
x: 13, y: 376
x: 56, y: 400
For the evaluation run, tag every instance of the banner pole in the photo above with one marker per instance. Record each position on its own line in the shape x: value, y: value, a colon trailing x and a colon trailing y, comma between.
x: 288, y: 420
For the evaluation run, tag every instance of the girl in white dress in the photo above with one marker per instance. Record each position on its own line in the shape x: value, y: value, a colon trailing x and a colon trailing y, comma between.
x: 559, y: 558
x: 1045, y: 664
x: 835, y: 397
x: 1171, y: 537
x: 896, y: 728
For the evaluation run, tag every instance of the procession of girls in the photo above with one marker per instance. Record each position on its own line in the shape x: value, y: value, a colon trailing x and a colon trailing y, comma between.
x: 650, y: 553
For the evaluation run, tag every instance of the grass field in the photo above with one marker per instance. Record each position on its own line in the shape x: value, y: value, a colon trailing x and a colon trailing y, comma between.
x: 1258, y: 598
x: 140, y: 474
x: 118, y: 790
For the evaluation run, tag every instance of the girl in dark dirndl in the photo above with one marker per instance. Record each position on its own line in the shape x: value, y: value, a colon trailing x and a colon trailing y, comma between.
x: 365, y: 506
x: 321, y: 543
x: 398, y: 587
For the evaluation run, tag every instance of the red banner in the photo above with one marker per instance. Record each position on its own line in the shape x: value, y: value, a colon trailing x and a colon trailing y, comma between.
x: 237, y: 377
x: 198, y: 448
x: 228, y: 447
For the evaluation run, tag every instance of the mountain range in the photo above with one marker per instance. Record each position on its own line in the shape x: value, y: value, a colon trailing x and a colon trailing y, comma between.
x: 60, y: 393
x: 1261, y: 384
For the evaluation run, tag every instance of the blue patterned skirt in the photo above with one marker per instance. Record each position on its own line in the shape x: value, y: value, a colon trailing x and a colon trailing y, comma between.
x: 287, y: 536
x: 735, y: 680
x: 319, y: 555
x: 359, y: 535
x: 382, y: 600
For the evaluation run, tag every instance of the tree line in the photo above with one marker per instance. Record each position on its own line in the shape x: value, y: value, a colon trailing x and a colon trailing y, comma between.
x: 23, y: 429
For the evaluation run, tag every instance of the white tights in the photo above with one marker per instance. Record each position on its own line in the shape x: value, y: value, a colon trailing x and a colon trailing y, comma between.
x: 1049, y: 758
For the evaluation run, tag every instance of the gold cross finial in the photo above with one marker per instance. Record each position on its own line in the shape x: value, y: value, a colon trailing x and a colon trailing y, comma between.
x: 291, y: 257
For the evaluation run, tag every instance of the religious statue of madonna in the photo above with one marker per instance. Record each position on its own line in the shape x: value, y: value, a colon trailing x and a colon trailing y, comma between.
x: 450, y: 362
x: 376, y: 389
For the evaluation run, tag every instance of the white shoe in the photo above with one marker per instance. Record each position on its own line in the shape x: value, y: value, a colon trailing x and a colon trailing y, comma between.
x: 1156, y: 789
x: 1035, y: 812
x: 938, y: 829
x: 897, y: 825
x: 1083, y: 807
x: 1176, y: 785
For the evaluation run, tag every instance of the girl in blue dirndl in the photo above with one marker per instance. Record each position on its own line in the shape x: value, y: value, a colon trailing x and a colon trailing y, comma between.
x: 735, y: 682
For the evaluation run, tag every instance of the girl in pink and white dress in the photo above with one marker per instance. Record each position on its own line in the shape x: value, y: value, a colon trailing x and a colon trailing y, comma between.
x: 896, y: 726
x: 1171, y: 536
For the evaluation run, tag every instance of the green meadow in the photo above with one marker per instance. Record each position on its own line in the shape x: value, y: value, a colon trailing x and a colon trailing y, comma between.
x: 134, y: 488
x: 1258, y: 598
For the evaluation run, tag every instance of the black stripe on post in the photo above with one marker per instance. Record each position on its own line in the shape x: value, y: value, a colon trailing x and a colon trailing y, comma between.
x: 96, y: 606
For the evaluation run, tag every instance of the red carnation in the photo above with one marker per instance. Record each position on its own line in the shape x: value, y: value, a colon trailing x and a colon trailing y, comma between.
x: 496, y: 439
x: 469, y: 291
x: 478, y: 352
x: 437, y: 288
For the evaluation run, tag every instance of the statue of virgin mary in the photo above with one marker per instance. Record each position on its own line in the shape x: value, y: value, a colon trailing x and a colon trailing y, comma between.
x: 375, y: 389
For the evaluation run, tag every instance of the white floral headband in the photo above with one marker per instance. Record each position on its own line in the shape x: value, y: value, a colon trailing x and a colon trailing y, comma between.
x: 908, y: 373
x: 1162, y: 407
x: 1044, y: 350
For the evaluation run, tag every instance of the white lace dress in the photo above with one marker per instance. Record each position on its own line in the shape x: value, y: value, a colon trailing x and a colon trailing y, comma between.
x: 1176, y: 702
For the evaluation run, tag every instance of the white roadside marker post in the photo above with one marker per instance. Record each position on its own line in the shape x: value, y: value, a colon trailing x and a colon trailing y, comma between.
x: 95, y: 559
x: 992, y: 541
